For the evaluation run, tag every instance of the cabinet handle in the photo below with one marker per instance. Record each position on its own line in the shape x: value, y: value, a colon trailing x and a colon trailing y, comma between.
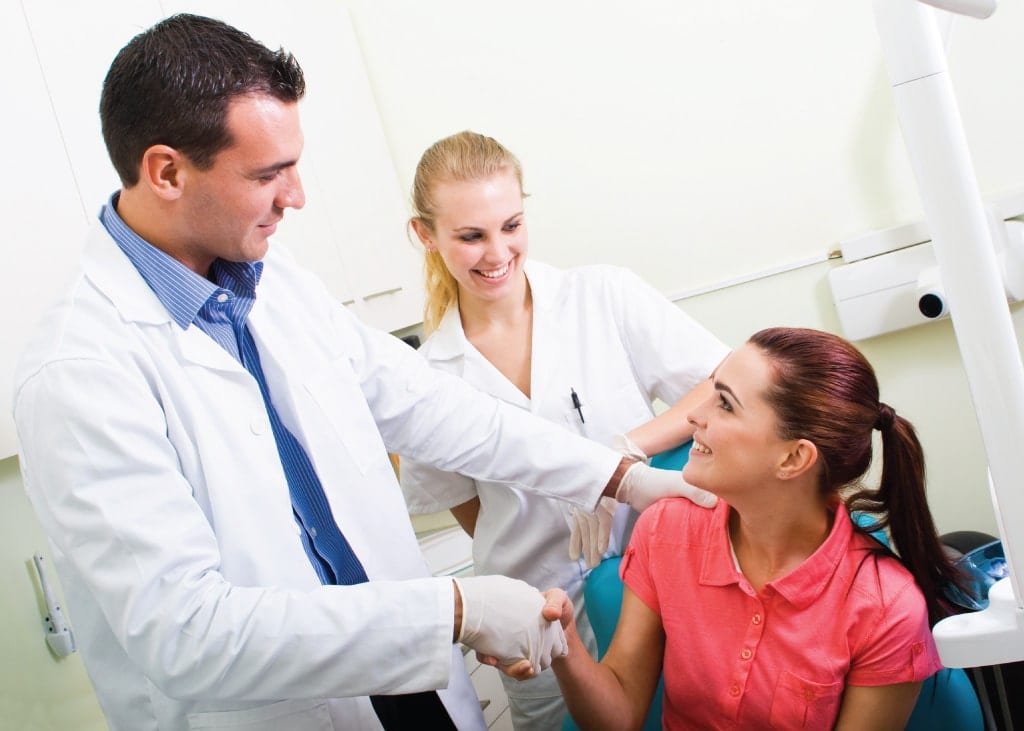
x: 382, y: 293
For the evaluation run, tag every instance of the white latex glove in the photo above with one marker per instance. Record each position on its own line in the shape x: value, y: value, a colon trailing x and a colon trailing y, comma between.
x: 643, y: 485
x: 501, y: 617
x: 591, y: 531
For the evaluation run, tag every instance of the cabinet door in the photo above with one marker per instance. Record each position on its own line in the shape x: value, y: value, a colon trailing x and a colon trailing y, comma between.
x: 351, y: 232
x: 59, y: 162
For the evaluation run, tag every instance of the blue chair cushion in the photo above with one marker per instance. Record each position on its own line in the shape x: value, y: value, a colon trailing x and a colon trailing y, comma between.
x: 947, y: 701
x: 602, y: 595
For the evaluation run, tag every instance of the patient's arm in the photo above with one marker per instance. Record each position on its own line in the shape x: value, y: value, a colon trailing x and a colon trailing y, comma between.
x: 670, y: 428
x: 616, y: 693
x: 466, y: 515
x: 877, y: 708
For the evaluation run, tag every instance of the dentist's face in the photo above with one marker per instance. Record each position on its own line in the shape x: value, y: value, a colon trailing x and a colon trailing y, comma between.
x: 229, y: 210
x: 480, y: 234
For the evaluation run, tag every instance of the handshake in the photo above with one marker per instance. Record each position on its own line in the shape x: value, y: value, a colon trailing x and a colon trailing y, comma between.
x: 503, y: 618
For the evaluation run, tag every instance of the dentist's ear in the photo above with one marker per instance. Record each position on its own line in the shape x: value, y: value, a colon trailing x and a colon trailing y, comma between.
x: 801, y: 456
x: 162, y: 171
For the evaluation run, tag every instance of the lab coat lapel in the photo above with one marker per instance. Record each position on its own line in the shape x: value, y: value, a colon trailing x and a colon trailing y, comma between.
x: 546, y: 372
x: 113, y: 274
x: 461, y: 357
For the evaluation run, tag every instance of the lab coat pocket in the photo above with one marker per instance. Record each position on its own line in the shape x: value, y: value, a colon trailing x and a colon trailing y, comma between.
x: 801, y: 703
x: 343, y: 404
x: 294, y: 715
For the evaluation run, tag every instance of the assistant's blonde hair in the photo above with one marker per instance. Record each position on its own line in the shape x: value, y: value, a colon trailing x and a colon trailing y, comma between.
x: 460, y: 157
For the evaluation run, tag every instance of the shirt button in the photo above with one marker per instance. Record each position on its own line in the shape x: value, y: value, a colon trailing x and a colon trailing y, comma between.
x: 918, y: 648
x: 312, y: 532
x: 756, y: 619
x: 734, y: 690
x: 808, y: 694
x: 222, y: 297
x: 746, y: 654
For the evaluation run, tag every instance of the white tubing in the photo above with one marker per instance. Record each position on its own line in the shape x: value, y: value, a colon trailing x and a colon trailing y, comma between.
x: 962, y: 241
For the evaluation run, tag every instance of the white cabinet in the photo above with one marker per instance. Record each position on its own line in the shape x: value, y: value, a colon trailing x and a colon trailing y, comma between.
x: 351, y: 232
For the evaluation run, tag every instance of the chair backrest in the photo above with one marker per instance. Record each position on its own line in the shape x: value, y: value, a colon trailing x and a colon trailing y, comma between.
x: 947, y: 701
x: 602, y: 596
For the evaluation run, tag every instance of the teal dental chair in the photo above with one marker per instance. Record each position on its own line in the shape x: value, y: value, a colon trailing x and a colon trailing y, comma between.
x: 947, y: 701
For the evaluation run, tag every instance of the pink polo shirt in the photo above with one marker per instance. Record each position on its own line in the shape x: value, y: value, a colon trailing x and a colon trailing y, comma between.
x: 780, y: 658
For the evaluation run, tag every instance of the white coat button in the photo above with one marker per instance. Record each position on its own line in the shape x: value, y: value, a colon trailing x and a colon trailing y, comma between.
x: 259, y: 424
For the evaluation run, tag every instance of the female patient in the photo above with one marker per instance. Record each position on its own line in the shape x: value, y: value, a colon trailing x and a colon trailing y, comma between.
x: 773, y: 609
x: 589, y: 348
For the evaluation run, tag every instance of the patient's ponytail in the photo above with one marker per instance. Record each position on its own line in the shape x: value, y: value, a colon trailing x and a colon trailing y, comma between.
x: 824, y: 390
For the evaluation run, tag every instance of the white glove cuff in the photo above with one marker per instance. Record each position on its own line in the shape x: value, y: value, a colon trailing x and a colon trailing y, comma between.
x: 627, y: 447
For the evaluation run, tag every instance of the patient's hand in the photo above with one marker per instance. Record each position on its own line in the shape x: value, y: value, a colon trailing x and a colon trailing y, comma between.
x: 557, y: 607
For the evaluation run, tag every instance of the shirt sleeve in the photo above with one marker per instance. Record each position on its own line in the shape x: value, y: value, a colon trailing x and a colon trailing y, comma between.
x: 899, y: 648
x: 635, y: 569
x: 429, y: 490
x: 671, y: 353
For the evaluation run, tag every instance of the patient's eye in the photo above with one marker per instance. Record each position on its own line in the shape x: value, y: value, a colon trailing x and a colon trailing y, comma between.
x: 723, y: 403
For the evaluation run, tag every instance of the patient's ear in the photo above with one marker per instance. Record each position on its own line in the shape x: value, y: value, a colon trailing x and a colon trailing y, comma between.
x: 801, y: 456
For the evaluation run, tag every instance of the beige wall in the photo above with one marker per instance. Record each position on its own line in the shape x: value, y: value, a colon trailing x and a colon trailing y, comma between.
x: 693, y: 142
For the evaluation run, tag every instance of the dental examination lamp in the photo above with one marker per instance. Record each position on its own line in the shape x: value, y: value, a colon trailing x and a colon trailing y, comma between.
x: 973, y: 287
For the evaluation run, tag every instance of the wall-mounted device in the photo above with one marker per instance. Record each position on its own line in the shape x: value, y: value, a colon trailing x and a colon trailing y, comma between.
x: 891, y: 280
x: 58, y: 633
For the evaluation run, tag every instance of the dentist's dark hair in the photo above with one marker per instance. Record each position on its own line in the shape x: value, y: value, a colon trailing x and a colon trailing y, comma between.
x: 824, y: 390
x: 171, y: 85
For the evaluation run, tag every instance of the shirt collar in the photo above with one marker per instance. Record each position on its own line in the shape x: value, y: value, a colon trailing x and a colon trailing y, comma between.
x: 799, y: 587
x: 179, y: 289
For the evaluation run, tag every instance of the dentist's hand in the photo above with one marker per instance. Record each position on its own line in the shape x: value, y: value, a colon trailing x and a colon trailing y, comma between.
x: 557, y: 609
x: 502, y: 619
x: 643, y: 485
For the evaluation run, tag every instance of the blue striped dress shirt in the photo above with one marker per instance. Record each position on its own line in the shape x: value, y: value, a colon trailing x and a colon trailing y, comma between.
x: 219, y: 308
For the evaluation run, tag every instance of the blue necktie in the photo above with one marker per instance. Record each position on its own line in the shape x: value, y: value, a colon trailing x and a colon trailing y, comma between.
x: 331, y: 554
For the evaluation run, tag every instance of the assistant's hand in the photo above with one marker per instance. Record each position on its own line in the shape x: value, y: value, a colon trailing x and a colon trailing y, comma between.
x: 502, y: 619
x: 590, y: 532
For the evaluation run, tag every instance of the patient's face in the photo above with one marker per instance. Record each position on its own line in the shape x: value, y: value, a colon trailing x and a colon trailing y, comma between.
x: 736, y: 447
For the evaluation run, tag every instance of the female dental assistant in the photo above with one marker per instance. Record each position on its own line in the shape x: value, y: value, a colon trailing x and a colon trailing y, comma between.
x: 589, y: 348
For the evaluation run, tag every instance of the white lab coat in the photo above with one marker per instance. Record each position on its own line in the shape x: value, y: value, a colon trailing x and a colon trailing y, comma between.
x: 620, y: 344
x: 148, y: 456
